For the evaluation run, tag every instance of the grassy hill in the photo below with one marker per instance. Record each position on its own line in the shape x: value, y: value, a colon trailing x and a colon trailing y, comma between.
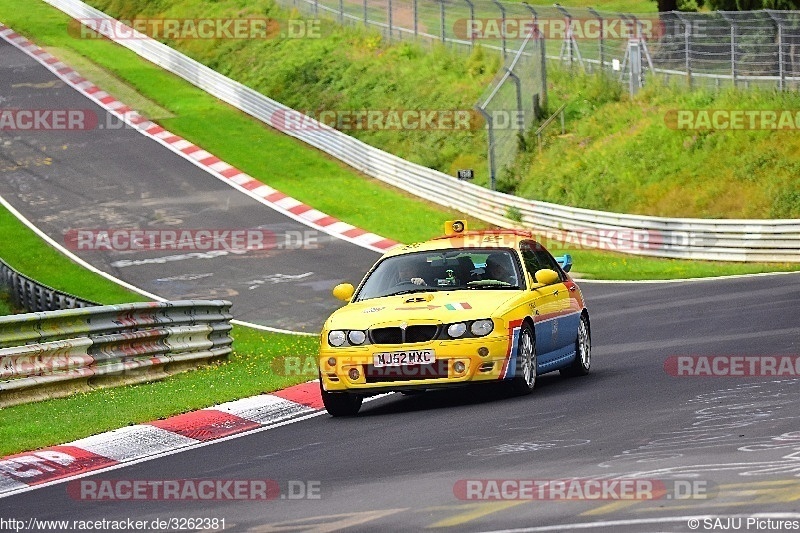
x: 619, y: 154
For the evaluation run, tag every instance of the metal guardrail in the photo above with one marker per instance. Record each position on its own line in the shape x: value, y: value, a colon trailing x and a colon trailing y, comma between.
x: 128, y: 342
x: 688, y: 238
x: 29, y: 294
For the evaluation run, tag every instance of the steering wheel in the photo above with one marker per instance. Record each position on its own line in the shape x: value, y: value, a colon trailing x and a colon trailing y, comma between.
x: 405, y: 282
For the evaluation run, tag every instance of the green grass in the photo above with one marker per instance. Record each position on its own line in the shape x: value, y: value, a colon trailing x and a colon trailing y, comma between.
x: 621, y: 155
x: 24, y: 251
x: 5, y: 305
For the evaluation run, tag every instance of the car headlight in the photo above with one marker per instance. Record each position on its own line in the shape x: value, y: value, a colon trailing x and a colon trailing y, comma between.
x: 356, y: 337
x: 336, y: 338
x: 481, y: 328
x: 456, y: 330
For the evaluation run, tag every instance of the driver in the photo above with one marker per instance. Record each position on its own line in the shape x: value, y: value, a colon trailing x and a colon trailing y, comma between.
x: 499, y: 268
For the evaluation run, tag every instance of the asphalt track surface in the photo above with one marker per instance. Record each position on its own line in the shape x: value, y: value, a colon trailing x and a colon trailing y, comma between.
x: 395, y: 466
x: 119, y: 179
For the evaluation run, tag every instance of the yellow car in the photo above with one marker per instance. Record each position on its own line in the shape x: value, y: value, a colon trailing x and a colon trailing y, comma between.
x: 465, y: 308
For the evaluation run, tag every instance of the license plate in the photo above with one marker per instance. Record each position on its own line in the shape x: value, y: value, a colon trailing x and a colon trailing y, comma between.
x: 408, y: 357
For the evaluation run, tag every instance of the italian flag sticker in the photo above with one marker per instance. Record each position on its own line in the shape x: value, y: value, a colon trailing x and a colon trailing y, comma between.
x: 457, y: 307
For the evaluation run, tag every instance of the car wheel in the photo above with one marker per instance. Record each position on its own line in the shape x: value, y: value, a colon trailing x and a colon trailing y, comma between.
x: 525, y: 376
x: 583, y: 351
x: 341, y: 403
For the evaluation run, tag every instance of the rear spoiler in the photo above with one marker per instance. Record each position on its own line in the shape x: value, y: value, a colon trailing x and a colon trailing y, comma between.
x: 565, y: 261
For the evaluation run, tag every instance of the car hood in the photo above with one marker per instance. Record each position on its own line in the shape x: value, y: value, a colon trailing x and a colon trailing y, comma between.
x: 442, y: 306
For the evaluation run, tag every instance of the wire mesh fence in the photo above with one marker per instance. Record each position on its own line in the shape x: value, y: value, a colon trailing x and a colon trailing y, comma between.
x: 719, y: 48
x: 512, y: 102
x: 716, y: 49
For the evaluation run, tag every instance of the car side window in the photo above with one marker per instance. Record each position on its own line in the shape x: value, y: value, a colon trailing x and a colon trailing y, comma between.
x: 532, y: 261
x: 549, y: 262
x: 537, y: 258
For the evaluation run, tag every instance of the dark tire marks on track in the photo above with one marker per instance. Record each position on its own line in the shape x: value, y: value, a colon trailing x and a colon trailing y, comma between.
x: 102, y: 179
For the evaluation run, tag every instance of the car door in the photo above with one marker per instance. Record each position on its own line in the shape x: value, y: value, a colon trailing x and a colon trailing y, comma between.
x: 568, y: 314
x: 548, y: 305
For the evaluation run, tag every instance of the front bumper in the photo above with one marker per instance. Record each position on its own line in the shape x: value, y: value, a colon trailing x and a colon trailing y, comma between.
x: 443, y: 372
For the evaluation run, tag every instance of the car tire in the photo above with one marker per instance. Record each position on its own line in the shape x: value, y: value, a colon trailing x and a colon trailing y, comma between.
x: 525, y: 375
x: 341, y: 403
x: 583, y: 351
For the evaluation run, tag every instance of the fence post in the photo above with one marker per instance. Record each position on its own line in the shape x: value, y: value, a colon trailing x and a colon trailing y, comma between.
x: 442, y: 19
x: 567, y: 34
x: 687, y: 33
x: 540, y: 40
x: 471, y: 17
x: 416, y: 17
x: 490, y: 133
x: 602, y: 40
x: 635, y: 62
x: 781, y: 69
x: 341, y: 12
x: 365, y: 13
x: 543, y: 65
x: 518, y: 85
x: 503, y: 20
x: 389, y: 19
x: 732, y: 23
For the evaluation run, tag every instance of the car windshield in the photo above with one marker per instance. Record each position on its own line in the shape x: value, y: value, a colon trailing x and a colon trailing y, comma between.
x: 452, y: 269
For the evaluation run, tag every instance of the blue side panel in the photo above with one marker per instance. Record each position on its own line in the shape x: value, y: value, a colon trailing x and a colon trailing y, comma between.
x: 559, y: 359
x: 568, y: 330
x: 512, y: 362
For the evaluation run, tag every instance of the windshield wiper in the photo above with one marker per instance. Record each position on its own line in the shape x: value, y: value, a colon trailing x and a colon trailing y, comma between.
x: 490, y: 284
x: 412, y: 291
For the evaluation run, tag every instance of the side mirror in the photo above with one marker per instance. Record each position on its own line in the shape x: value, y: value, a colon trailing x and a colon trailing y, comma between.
x: 547, y: 276
x: 344, y: 291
